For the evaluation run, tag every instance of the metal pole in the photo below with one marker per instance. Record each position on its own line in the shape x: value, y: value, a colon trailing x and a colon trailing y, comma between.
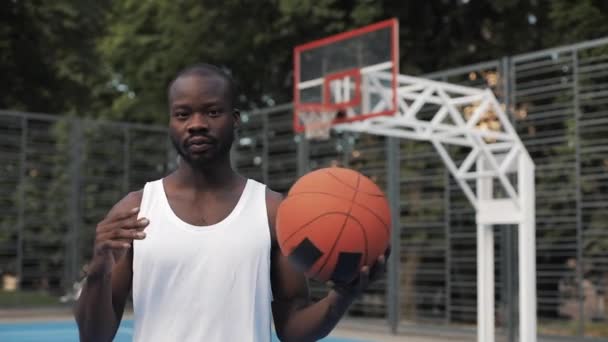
x: 508, y: 234
x: 502, y: 275
x: 527, y: 250
x: 265, y: 147
x: 126, y: 152
x: 393, y: 173
x: 508, y: 281
x: 21, y: 198
x: 448, y: 240
x: 513, y: 291
x: 173, y: 157
x: 303, y: 154
x: 578, y: 197
x: 234, y: 150
x: 448, y: 246
x: 347, y: 141
x: 76, y: 142
x: 485, y: 265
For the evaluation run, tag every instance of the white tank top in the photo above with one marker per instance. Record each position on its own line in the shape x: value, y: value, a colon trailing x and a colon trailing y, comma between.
x: 207, y: 283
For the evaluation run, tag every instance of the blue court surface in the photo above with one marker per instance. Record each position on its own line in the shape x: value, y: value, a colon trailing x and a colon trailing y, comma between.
x: 66, y: 331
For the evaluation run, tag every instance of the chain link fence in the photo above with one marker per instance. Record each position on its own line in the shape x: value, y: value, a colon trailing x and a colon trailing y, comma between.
x: 59, y: 176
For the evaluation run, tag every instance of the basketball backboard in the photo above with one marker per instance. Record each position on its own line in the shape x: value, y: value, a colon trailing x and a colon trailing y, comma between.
x: 346, y: 77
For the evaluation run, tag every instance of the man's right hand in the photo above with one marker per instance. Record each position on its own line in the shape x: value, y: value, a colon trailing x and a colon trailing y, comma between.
x: 114, y: 236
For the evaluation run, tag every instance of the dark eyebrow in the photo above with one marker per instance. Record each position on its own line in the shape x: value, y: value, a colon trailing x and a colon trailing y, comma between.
x: 180, y: 106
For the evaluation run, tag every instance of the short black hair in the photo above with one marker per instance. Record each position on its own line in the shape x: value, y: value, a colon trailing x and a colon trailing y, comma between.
x: 205, y: 69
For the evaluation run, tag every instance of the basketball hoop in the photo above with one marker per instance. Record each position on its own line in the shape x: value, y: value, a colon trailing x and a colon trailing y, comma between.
x: 329, y: 78
x: 317, y: 123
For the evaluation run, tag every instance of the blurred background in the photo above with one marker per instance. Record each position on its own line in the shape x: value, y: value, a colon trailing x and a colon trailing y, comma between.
x: 83, y: 116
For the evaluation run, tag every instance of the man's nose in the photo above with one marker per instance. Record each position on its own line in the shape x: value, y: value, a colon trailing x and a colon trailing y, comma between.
x: 198, y: 122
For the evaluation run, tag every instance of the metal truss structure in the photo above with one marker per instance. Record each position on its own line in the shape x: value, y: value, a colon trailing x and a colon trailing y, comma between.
x: 497, y: 174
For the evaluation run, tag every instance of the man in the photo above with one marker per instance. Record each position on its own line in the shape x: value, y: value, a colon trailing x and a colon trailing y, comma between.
x: 198, y: 248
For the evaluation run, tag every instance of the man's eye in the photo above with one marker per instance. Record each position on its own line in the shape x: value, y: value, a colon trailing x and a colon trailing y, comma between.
x: 181, y: 114
x: 213, y: 112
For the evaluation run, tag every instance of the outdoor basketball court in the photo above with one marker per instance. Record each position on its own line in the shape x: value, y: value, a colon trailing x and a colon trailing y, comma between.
x: 350, y: 83
x: 66, y: 331
x: 63, y: 329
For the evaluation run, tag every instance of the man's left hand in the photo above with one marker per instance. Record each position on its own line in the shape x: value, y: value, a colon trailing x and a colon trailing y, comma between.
x: 366, y: 277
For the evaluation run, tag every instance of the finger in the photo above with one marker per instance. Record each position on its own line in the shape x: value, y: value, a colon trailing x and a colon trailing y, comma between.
x: 142, y: 223
x: 112, y: 245
x: 113, y: 223
x: 135, y: 234
x: 122, y: 215
x: 378, y: 270
x: 127, y: 236
x: 139, y: 224
x: 132, y: 223
x: 129, y: 223
x: 363, y: 278
x: 387, y: 253
x: 346, y: 289
x: 132, y: 234
x: 122, y: 234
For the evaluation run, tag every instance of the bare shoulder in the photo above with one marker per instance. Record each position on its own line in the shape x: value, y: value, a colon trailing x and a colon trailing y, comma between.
x: 130, y: 201
x: 273, y: 200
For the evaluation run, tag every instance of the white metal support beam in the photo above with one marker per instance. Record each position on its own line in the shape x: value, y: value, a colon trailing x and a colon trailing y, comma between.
x: 472, y: 119
x: 485, y: 263
x: 527, y: 250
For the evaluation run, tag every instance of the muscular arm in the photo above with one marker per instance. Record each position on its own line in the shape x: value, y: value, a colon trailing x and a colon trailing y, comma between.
x: 295, y: 318
x: 101, y: 304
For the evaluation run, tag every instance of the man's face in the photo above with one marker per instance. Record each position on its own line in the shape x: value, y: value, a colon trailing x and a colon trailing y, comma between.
x: 202, y: 120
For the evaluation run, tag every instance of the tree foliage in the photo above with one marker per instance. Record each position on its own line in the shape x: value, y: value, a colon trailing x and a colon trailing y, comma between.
x: 114, y: 59
x: 147, y: 43
x: 48, y: 56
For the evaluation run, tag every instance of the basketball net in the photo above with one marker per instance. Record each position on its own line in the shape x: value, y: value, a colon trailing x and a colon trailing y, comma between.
x: 317, y: 123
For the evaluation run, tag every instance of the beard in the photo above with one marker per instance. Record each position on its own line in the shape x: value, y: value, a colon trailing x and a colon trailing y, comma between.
x: 218, y: 150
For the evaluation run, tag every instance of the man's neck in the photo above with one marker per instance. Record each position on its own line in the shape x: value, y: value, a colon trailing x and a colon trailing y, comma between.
x: 220, y: 176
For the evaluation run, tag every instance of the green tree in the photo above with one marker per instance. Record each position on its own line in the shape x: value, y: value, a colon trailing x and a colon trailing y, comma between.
x: 48, y: 59
x: 114, y: 58
x: 573, y: 21
x: 148, y: 42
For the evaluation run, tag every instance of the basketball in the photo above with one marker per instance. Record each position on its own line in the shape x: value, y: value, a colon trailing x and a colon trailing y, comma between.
x: 333, y: 222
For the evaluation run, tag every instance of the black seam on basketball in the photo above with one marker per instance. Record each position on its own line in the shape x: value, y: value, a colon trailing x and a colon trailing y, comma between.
x: 365, y: 254
x: 333, y: 246
x: 306, y: 253
x: 346, y: 266
x: 350, y: 186
x: 366, y: 250
x: 311, y: 222
x: 386, y: 226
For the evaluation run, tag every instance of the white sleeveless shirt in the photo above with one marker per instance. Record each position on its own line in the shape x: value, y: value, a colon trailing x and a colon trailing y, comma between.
x: 208, y: 283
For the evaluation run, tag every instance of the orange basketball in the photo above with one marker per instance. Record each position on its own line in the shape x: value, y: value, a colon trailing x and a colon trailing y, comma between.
x: 333, y: 222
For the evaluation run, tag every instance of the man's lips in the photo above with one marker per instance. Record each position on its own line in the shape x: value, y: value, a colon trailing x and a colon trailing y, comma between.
x: 198, y: 141
x: 197, y: 148
x: 198, y: 144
